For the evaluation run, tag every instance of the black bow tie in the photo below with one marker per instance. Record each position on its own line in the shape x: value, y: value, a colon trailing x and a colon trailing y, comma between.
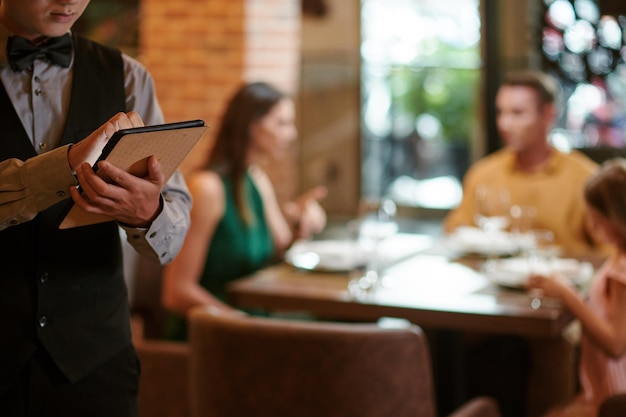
x: 21, y: 53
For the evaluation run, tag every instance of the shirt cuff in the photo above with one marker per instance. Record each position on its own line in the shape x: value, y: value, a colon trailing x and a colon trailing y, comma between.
x: 49, y: 177
x: 155, y: 242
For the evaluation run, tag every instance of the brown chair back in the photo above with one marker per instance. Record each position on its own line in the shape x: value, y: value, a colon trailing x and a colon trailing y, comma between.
x: 163, y: 382
x: 614, y: 406
x: 250, y: 366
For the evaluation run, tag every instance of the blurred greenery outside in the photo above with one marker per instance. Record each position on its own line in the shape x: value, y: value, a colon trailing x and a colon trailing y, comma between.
x: 440, y: 87
x: 448, y: 94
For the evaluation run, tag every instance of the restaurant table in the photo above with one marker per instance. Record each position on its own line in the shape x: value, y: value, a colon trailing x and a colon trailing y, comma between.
x: 433, y: 291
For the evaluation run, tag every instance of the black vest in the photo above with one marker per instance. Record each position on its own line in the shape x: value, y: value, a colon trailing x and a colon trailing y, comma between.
x: 63, y: 290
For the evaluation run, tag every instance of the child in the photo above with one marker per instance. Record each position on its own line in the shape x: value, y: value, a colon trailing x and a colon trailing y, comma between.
x: 603, y: 316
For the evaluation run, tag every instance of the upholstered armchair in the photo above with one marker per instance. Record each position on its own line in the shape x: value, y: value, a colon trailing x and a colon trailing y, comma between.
x: 250, y: 366
x: 614, y: 406
x: 164, y: 378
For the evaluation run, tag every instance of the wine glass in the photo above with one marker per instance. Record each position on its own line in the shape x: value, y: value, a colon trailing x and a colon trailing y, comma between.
x: 492, y: 208
x: 521, y: 226
x: 540, y: 257
x: 377, y: 226
x: 542, y: 253
x: 492, y: 215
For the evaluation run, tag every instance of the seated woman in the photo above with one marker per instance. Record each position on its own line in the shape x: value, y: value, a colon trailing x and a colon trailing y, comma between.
x: 237, y: 225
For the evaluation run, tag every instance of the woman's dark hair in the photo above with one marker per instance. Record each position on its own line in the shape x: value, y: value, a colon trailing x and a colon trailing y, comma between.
x: 250, y: 103
x: 606, y: 193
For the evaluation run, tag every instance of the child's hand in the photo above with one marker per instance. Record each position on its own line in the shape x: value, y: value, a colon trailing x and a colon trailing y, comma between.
x: 555, y: 285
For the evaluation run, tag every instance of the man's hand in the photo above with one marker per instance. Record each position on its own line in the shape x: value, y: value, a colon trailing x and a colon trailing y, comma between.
x: 124, y: 197
x: 127, y: 199
x: 89, y: 149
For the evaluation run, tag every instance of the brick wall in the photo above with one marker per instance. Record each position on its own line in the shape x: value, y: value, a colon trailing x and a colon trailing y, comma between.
x: 199, y: 51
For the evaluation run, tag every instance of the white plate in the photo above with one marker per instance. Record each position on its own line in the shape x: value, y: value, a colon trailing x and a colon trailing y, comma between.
x: 345, y: 255
x: 514, y: 272
x: 326, y: 255
x: 471, y: 240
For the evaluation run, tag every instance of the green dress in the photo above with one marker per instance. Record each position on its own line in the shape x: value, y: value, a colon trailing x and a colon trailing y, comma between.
x: 237, y: 249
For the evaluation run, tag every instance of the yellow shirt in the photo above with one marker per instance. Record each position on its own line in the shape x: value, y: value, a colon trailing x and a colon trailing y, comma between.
x: 556, y: 191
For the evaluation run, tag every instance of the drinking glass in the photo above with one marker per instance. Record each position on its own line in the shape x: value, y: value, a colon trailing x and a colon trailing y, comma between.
x: 492, y: 208
x: 540, y: 256
x: 375, y: 227
x: 492, y: 215
x: 522, y: 222
x: 541, y: 253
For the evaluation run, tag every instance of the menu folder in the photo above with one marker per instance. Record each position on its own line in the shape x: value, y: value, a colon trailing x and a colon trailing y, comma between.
x: 130, y: 149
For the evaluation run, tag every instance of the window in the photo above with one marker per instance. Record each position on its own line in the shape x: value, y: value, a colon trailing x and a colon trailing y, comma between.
x: 586, y: 52
x: 420, y: 80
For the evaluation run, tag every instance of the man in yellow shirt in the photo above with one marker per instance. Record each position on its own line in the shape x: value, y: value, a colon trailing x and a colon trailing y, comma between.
x: 536, y: 175
x: 533, y: 172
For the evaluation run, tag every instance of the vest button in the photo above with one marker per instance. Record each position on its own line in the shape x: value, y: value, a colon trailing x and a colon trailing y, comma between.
x: 38, y: 92
x: 43, y: 145
x: 43, y: 320
x: 44, y: 278
x: 61, y: 194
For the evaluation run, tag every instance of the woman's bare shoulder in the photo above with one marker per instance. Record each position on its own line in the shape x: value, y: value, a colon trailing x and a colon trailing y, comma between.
x: 207, y: 193
x: 205, y: 183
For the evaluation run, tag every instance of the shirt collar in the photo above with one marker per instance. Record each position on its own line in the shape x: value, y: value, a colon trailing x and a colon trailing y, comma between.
x: 549, y: 167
